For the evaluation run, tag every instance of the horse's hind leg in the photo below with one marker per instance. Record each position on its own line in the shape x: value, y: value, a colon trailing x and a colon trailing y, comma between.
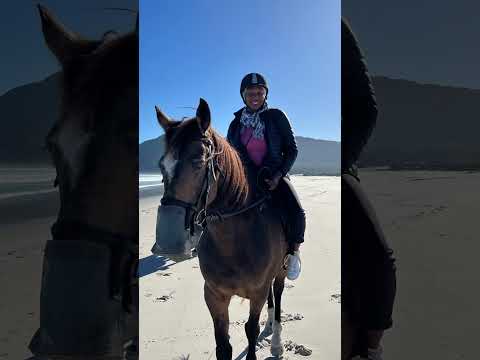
x: 277, y: 346
x: 269, y: 324
x: 252, y: 327
x: 218, y: 307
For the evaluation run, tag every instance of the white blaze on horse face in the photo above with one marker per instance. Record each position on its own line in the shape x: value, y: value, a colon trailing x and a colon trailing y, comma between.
x: 73, y: 141
x: 169, y: 163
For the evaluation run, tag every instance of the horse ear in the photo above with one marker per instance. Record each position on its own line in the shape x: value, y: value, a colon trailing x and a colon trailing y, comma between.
x: 203, y: 115
x: 163, y: 119
x: 63, y: 43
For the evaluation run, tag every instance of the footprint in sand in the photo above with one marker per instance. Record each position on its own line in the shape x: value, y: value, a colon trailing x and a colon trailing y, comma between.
x: 163, y: 274
x: 183, y: 357
x: 297, y: 348
x: 336, y: 297
x: 238, y: 322
x: 163, y: 298
x: 291, y: 317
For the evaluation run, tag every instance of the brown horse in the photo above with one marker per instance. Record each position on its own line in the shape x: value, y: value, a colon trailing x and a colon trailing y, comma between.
x: 87, y: 284
x: 242, y: 248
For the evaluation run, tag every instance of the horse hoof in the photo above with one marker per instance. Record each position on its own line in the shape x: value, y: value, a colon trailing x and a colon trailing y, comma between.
x: 277, y: 350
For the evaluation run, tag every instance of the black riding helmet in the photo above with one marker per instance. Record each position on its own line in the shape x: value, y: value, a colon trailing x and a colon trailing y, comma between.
x: 253, y: 79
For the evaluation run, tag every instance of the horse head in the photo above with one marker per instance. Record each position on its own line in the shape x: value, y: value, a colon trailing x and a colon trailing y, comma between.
x: 189, y: 177
x: 94, y: 143
x: 94, y: 148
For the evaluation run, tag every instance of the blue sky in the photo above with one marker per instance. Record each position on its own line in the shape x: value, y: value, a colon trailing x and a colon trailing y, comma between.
x: 192, y: 49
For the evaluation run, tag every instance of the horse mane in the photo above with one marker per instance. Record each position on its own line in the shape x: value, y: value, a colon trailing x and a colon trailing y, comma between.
x: 233, y: 185
x: 233, y: 188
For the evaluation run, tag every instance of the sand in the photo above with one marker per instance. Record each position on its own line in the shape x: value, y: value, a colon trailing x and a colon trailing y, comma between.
x: 24, y: 229
x: 174, y: 320
x: 431, y: 221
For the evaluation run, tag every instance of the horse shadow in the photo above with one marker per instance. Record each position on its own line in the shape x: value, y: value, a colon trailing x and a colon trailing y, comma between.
x: 151, y: 264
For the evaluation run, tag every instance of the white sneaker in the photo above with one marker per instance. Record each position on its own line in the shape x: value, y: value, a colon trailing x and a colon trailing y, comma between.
x: 294, y: 266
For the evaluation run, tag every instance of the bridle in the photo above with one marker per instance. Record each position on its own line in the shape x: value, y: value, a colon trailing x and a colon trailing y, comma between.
x: 123, y: 249
x: 197, y: 213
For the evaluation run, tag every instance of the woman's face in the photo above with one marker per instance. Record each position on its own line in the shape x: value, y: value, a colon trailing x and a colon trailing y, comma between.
x: 255, y: 97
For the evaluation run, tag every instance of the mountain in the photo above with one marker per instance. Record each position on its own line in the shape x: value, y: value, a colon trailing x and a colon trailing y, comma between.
x: 150, y: 152
x: 315, y: 157
x: 424, y: 126
x: 28, y: 112
x: 419, y: 126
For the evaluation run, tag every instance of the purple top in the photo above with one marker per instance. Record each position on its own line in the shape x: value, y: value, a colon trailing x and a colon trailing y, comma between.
x: 256, y: 148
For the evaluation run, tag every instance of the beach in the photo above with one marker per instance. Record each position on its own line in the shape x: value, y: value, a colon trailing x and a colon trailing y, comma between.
x: 28, y: 207
x: 175, y: 322
x: 429, y: 218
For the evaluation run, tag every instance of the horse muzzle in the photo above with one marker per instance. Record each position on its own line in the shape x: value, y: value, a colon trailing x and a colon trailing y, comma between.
x: 79, y: 316
x: 173, y: 236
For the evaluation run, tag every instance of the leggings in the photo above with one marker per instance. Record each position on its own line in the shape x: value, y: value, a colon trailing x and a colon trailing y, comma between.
x: 286, y: 198
x: 367, y: 263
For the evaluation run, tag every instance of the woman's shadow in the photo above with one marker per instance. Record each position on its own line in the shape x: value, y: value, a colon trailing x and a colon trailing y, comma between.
x: 152, y: 263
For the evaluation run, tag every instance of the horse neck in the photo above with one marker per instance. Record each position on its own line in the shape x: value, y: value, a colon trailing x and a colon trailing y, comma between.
x: 233, y: 188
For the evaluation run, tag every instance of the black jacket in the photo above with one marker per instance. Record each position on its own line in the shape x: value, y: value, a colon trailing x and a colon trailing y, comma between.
x: 359, y: 106
x: 281, y: 145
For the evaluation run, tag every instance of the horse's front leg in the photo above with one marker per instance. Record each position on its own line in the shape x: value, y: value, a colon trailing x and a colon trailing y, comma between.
x: 252, y: 327
x: 218, y: 306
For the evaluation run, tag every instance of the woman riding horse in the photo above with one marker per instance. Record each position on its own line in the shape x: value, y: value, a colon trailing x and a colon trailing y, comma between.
x: 264, y: 138
x: 368, y: 265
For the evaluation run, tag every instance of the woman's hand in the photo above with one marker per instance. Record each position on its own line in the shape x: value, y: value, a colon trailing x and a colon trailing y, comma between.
x: 273, y: 182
